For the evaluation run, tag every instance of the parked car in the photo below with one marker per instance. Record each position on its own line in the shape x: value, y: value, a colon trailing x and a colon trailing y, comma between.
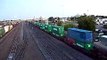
x: 101, y: 45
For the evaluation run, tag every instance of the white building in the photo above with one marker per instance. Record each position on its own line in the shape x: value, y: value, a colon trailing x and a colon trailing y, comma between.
x: 101, y: 21
x: 64, y: 19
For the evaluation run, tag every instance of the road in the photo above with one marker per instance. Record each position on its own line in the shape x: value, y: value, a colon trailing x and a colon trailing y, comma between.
x: 25, y: 42
x: 100, y: 27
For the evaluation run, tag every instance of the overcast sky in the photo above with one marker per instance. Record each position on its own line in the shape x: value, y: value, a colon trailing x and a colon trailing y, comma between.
x: 21, y: 9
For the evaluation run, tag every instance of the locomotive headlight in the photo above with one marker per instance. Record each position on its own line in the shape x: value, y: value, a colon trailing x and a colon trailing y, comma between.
x: 89, y: 45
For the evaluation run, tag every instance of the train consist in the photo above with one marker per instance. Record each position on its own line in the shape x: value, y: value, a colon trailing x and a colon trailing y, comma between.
x: 74, y: 36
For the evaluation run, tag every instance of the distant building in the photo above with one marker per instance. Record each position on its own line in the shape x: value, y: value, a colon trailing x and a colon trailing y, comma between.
x: 63, y: 19
x: 101, y: 21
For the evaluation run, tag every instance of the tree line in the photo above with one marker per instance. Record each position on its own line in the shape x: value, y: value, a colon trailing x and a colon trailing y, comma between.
x: 84, y: 22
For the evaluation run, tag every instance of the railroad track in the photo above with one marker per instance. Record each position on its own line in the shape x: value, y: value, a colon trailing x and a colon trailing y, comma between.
x: 52, y: 49
x: 6, y: 42
x: 7, y: 35
x: 27, y: 43
x: 18, y: 46
x: 68, y: 51
x: 32, y: 50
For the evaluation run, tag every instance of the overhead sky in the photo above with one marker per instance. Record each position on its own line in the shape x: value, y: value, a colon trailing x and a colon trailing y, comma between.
x: 22, y: 9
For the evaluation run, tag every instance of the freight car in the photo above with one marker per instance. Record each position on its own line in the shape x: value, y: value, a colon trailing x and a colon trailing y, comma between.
x: 55, y: 30
x: 48, y: 28
x: 2, y: 31
x: 58, y: 30
x: 42, y: 26
x: 37, y: 24
x: 8, y: 28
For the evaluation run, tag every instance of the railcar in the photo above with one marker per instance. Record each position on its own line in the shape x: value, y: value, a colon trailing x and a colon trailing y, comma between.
x: 2, y: 31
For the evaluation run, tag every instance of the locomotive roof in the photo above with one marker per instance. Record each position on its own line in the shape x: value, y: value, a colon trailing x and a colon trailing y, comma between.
x: 81, y: 30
